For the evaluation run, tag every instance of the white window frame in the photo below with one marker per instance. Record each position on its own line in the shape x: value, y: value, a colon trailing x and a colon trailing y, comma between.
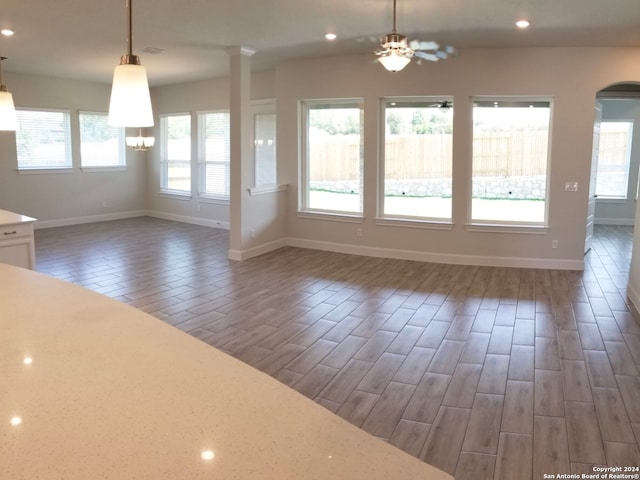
x: 304, y: 209
x: 202, y: 161
x: 121, y: 164
x: 519, y: 224
x: 617, y: 198
x: 258, y: 109
x: 43, y: 167
x: 393, y: 218
x: 164, y: 160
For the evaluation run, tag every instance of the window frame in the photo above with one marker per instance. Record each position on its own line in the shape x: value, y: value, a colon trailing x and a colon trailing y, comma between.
x: 202, y: 163
x: 513, y: 225
x: 304, y: 210
x: 68, y: 146
x: 122, y: 148
x: 398, y: 219
x: 164, y: 160
x: 601, y: 198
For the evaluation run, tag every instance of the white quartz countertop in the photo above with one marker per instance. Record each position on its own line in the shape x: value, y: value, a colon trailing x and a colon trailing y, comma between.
x: 10, y: 218
x: 91, y: 388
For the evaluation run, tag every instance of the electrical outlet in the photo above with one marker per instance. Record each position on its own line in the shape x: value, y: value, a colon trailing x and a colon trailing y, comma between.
x: 570, y: 186
x: 554, y: 243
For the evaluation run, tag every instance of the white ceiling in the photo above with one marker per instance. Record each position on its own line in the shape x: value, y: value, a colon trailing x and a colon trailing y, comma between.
x: 84, y: 39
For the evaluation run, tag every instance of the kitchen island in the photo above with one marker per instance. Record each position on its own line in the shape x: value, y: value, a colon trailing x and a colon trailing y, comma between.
x: 17, y: 246
x: 94, y: 389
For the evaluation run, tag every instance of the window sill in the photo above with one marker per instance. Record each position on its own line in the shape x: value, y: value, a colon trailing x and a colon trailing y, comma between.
x: 175, y: 195
x: 40, y: 171
x: 253, y: 191
x: 103, y: 169
x: 612, y: 200
x: 414, y: 223
x: 507, y: 228
x: 332, y: 216
x: 213, y: 200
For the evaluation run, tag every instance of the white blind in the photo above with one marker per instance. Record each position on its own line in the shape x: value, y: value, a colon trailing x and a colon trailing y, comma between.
x: 43, y: 139
x: 176, y: 153
x: 100, y: 144
x: 215, y: 153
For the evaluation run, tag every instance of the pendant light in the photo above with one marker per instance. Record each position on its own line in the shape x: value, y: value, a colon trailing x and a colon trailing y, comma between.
x: 140, y: 143
x: 130, y: 104
x: 8, y: 118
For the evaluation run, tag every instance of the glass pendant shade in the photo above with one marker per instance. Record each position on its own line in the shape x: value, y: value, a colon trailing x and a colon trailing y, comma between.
x: 130, y: 104
x: 140, y: 143
x: 393, y: 61
x: 8, y: 118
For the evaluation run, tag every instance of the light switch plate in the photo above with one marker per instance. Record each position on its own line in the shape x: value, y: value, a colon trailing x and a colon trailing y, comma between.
x: 570, y: 186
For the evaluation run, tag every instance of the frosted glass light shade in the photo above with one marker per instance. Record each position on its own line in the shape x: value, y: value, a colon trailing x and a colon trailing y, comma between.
x: 130, y: 104
x: 393, y: 61
x: 8, y: 118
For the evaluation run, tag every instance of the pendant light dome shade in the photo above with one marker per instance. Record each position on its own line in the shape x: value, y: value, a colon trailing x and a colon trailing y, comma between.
x: 8, y: 119
x: 130, y: 104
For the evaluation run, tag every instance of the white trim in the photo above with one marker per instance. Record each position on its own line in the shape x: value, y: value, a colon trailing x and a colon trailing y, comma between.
x: 262, y: 190
x: 506, y: 228
x: 414, y: 223
x: 257, y: 250
x: 627, y: 222
x: 330, y: 216
x: 432, y: 257
x: 205, y: 222
x: 63, y: 222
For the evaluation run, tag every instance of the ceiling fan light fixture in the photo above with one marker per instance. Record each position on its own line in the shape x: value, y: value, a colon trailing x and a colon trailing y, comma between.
x: 393, y: 60
x: 130, y: 104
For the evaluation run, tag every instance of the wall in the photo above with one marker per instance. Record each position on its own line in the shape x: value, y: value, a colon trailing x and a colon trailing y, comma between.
x: 622, y: 212
x: 571, y: 76
x: 73, y: 197
x: 193, y: 98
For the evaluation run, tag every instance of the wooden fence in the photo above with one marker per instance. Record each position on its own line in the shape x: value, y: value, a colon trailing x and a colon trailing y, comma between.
x: 337, y: 158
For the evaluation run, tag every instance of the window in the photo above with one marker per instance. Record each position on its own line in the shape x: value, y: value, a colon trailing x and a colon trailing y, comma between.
x: 612, y: 178
x: 215, y: 153
x: 264, y: 153
x: 100, y: 144
x: 510, y: 160
x: 333, y: 156
x: 175, y: 131
x: 418, y: 140
x: 43, y: 139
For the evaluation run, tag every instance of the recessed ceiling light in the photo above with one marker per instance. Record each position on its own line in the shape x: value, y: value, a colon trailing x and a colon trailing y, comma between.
x: 330, y: 36
x: 7, y: 32
x: 522, y: 23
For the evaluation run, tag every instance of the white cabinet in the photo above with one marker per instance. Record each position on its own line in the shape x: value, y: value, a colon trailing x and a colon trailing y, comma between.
x: 17, y: 246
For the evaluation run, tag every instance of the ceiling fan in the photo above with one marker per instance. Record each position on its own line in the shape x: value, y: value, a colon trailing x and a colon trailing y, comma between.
x: 396, y: 51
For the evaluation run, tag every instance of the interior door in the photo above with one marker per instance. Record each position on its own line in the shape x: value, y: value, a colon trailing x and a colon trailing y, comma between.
x: 591, y: 203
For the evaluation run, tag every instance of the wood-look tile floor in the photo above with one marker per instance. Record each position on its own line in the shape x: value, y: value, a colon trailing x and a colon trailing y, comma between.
x: 486, y: 373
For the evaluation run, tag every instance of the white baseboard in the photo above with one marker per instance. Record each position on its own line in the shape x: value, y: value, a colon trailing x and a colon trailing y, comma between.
x: 205, y: 222
x: 454, y: 259
x: 627, y: 222
x: 255, y: 251
x: 633, y: 296
x: 63, y: 222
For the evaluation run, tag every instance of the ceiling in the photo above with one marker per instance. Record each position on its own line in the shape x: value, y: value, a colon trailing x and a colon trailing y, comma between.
x: 84, y: 39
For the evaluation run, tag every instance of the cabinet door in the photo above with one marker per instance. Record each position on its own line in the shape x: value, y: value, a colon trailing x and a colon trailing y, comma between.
x: 17, y: 252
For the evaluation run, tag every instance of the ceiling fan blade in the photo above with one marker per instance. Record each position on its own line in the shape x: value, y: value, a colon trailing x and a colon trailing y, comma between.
x: 427, y: 56
x: 442, y: 54
x: 424, y: 45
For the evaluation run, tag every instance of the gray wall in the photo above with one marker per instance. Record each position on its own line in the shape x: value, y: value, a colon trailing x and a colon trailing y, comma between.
x: 76, y: 196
